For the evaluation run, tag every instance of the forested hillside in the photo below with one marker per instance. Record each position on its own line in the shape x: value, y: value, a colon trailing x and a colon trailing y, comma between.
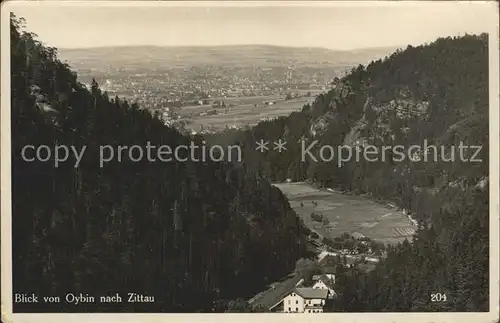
x: 437, y: 93
x: 186, y: 233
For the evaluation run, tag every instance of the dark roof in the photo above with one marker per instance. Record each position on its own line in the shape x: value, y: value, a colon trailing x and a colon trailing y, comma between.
x: 329, y: 270
x: 273, y: 296
x: 312, y: 292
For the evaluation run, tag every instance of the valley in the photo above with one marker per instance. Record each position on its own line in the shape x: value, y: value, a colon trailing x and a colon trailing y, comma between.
x: 217, y: 236
x: 356, y: 215
x: 208, y: 89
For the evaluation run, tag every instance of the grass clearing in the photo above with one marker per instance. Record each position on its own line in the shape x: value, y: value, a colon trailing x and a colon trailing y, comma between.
x: 347, y: 213
x: 242, y: 113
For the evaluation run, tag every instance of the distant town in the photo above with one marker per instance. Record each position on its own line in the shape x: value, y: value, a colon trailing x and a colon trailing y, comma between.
x: 218, y: 89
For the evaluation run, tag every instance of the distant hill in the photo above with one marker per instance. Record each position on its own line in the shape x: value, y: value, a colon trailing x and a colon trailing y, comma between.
x: 260, y: 55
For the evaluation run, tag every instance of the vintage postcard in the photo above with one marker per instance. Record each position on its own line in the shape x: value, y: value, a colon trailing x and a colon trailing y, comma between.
x: 226, y: 161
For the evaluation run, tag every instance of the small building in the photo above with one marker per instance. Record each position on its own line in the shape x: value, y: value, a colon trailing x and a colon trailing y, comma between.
x: 325, y: 282
x: 305, y: 300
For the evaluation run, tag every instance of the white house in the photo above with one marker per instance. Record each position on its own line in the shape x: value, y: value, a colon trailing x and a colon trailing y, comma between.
x: 326, y: 281
x: 305, y: 300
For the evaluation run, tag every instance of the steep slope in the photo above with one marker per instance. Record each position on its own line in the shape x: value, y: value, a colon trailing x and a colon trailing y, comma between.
x: 434, y: 95
x: 186, y: 233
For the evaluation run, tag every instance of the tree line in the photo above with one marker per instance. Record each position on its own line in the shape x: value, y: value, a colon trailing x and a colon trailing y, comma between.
x: 192, y: 235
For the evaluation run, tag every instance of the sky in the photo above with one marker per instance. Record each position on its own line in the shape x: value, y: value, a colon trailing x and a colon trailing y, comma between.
x: 341, y: 25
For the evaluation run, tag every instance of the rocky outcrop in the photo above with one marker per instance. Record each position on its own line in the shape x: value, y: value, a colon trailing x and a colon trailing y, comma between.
x: 378, y: 123
x: 319, y: 126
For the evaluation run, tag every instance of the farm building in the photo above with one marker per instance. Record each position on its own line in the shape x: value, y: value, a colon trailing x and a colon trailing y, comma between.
x: 325, y: 281
x: 304, y: 300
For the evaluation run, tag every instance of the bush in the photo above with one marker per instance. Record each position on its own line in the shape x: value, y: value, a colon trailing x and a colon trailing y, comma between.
x: 316, y: 217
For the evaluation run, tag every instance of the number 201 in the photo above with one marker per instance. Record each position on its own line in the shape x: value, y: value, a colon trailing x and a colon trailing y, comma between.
x: 438, y: 297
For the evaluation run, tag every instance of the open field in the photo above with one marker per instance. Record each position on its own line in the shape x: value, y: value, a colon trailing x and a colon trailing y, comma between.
x: 246, y: 111
x: 347, y: 213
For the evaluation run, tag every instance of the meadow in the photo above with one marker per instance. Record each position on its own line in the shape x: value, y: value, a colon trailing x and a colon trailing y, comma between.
x: 241, y: 111
x: 347, y: 213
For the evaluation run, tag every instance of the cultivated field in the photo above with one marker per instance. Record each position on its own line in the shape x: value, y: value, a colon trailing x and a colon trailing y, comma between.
x: 347, y: 213
x: 240, y: 111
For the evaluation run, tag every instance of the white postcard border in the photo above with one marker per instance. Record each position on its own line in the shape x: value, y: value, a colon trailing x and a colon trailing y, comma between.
x: 6, y: 202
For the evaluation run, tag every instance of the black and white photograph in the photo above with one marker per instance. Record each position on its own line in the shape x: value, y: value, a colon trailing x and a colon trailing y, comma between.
x: 272, y: 158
